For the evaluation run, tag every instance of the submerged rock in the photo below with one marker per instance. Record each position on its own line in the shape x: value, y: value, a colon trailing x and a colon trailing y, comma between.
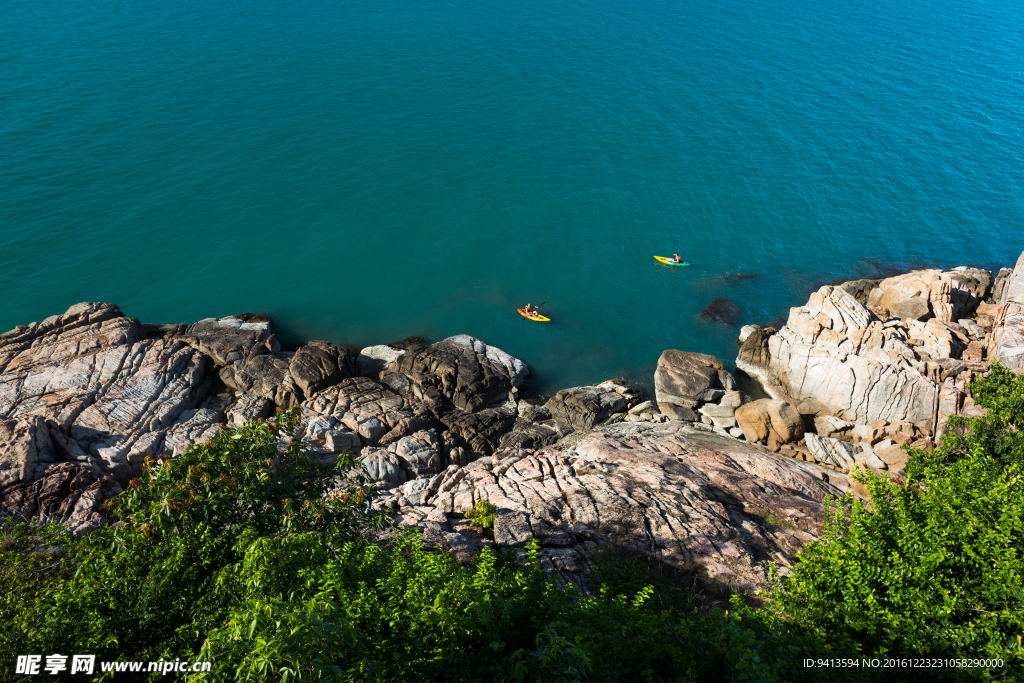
x: 721, y: 310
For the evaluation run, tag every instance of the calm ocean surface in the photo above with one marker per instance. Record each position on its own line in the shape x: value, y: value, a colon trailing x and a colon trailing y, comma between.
x: 365, y: 171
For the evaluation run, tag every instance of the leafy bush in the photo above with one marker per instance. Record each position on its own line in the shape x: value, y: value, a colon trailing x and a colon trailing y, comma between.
x: 935, y: 566
x: 482, y: 514
x: 243, y: 555
x: 157, y: 582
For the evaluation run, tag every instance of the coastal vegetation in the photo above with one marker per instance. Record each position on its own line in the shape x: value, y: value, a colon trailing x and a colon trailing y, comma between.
x: 274, y: 566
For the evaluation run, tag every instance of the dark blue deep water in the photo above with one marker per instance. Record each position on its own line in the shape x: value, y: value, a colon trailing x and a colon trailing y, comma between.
x: 364, y: 171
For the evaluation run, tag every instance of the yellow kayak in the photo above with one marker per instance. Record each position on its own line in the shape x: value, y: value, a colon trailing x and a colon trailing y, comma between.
x: 533, y: 316
x: 669, y: 262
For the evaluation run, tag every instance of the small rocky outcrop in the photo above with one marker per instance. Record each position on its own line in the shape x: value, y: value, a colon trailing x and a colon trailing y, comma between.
x: 771, y: 421
x: 463, y: 370
x: 585, y: 407
x: 68, y: 493
x: 689, y: 379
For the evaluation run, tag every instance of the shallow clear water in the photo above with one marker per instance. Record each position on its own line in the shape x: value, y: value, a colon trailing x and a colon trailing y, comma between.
x: 365, y: 171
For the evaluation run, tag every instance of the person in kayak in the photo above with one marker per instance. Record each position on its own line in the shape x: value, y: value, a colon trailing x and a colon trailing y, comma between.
x: 676, y: 259
x: 530, y: 310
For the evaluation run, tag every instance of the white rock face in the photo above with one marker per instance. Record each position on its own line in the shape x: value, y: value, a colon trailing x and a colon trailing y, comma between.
x: 1008, y: 335
x: 836, y: 351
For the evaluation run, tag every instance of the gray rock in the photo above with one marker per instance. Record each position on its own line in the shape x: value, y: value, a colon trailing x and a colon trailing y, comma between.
x: 713, y: 410
x: 585, y: 407
x: 319, y: 364
x: 1007, y: 344
x: 645, y: 407
x: 734, y: 399
x: 828, y: 425
x: 914, y: 308
x: 267, y: 376
x: 677, y: 412
x: 832, y: 451
x: 372, y: 359
x: 366, y: 407
x: 329, y: 435
x: 249, y: 407
x: 512, y: 529
x: 421, y: 452
x: 384, y: 468
x: 683, y: 378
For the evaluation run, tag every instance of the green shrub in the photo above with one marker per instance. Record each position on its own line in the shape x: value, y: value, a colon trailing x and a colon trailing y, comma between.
x: 156, y: 583
x: 243, y: 556
x: 482, y: 514
x: 935, y: 566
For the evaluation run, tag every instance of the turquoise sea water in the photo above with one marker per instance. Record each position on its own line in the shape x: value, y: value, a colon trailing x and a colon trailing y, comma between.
x: 365, y: 171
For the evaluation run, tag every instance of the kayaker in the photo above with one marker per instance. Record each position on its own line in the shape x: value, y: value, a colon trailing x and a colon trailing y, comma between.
x: 530, y: 310
x: 676, y: 259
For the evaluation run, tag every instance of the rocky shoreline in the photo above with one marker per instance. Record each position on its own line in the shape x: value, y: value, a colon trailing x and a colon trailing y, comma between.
x: 701, y: 476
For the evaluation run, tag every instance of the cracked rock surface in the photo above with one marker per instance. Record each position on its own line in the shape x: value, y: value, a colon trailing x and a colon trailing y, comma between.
x: 687, y: 497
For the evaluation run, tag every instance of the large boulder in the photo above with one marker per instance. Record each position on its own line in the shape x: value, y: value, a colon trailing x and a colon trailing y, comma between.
x: 585, y: 407
x: 770, y: 421
x: 319, y: 364
x: 1007, y: 344
x: 462, y: 371
x: 688, y: 379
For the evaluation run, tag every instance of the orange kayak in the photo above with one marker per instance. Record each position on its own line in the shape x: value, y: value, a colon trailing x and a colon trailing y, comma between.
x: 533, y: 316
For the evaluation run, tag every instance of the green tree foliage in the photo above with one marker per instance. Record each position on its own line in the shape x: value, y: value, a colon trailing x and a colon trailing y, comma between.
x: 251, y: 557
x: 935, y: 566
x: 155, y: 583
